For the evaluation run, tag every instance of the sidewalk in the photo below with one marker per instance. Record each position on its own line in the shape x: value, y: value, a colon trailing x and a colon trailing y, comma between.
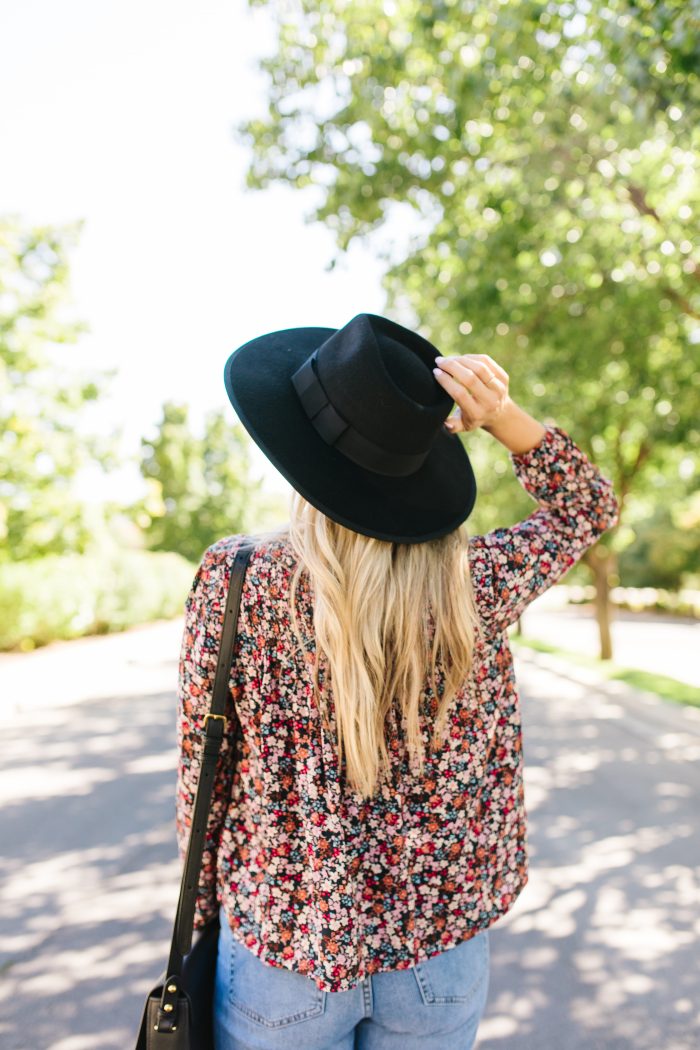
x: 600, y: 945
x: 648, y: 641
x: 140, y: 660
x: 672, y: 727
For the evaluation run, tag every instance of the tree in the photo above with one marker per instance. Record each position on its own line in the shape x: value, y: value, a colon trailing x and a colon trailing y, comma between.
x: 40, y: 400
x: 534, y: 165
x: 199, y: 487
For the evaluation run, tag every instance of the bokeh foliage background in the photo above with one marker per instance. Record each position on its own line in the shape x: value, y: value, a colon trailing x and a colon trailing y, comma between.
x: 536, y: 166
x: 528, y: 173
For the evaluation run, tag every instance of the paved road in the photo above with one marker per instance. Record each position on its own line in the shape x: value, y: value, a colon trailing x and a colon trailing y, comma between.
x: 599, y: 952
x: 651, y: 641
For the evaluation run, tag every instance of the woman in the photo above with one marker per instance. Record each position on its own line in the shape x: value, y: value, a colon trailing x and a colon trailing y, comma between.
x: 375, y: 828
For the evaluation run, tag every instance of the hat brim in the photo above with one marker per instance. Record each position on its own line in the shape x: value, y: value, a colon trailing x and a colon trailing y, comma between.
x: 425, y: 505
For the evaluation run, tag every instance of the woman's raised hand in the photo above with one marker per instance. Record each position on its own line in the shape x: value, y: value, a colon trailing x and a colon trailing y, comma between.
x: 478, y: 385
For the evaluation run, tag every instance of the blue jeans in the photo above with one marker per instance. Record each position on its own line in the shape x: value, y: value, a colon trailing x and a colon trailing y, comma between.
x: 431, y: 1006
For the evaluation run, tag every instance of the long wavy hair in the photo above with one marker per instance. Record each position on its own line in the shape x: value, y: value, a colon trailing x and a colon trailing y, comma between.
x: 388, y: 619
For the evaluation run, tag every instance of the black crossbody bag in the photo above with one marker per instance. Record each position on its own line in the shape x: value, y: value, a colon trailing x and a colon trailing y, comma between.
x: 178, y: 1014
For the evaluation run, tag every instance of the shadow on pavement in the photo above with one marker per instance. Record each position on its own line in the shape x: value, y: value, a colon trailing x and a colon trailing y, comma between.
x: 599, y: 951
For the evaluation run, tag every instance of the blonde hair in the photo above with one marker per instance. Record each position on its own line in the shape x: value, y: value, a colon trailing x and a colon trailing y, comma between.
x: 375, y: 605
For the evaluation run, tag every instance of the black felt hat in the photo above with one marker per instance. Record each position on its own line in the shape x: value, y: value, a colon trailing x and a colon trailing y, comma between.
x: 353, y: 418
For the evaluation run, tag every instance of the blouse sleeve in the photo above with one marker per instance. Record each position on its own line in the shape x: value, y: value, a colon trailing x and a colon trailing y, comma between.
x: 577, y: 504
x: 204, y: 614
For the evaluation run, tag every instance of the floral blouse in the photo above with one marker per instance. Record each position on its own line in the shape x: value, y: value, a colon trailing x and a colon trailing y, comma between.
x: 312, y: 877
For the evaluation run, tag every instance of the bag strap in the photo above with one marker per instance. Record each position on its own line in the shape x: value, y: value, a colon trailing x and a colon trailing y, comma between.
x: 214, y: 728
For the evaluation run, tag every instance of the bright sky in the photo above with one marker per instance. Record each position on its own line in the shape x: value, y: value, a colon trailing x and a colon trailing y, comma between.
x: 121, y: 114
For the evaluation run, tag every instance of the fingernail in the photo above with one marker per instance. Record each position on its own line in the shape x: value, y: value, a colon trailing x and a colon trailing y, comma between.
x: 440, y: 359
x: 438, y: 372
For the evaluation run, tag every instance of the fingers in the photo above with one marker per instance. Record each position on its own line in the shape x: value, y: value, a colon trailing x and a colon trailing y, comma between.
x: 455, y: 423
x: 483, y: 365
x: 473, y: 377
x: 469, y: 411
x: 495, y: 368
x: 474, y: 382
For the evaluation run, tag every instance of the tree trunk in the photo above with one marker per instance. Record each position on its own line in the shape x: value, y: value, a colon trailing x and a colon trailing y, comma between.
x: 602, y: 563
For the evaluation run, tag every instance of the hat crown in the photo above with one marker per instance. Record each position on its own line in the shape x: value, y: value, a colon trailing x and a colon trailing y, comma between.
x: 378, y: 377
x: 408, y: 372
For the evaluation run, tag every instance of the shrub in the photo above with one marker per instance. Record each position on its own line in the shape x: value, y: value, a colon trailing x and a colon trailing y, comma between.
x: 66, y: 596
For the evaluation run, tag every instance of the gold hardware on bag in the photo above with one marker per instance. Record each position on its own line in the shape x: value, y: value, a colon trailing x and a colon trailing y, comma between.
x: 168, y: 1007
x: 172, y: 987
x: 220, y: 718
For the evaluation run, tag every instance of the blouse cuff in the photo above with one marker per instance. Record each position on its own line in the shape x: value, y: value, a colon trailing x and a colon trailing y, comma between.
x: 555, y: 468
x: 536, y: 455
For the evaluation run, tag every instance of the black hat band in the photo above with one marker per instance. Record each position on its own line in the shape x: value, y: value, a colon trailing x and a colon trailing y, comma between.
x: 337, y: 432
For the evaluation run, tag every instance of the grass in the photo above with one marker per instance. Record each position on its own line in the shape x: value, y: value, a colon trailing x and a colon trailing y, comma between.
x: 660, y: 684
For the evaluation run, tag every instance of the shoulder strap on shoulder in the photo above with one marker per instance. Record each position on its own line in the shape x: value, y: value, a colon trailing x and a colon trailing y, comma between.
x: 215, y: 726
